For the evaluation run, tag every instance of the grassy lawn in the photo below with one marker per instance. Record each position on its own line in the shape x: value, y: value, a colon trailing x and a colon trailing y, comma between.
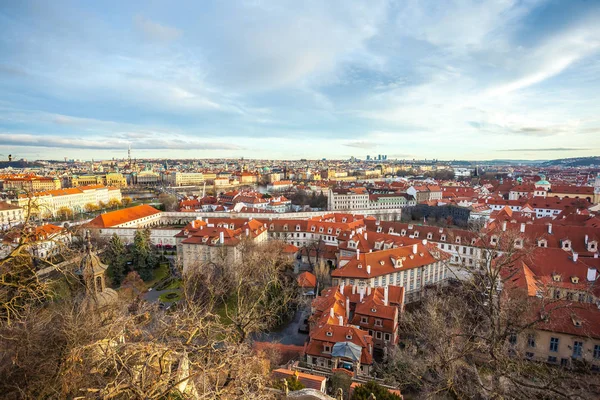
x: 220, y: 310
x: 169, y: 297
x: 159, y: 274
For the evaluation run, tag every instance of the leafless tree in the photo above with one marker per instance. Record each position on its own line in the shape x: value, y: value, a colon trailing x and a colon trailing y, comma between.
x: 459, y: 339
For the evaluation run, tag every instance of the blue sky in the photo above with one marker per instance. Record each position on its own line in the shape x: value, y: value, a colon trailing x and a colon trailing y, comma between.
x: 464, y: 79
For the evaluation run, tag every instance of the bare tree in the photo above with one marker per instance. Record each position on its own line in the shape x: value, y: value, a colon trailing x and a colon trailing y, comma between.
x: 460, y: 341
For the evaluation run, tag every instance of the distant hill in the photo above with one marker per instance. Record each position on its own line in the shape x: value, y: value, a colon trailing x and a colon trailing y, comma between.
x: 20, y: 164
x: 572, y: 162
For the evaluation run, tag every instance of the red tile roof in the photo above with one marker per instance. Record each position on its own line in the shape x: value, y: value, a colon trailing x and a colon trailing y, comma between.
x: 119, y: 217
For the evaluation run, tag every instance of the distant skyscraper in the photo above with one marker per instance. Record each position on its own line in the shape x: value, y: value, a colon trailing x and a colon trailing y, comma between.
x: 368, y: 158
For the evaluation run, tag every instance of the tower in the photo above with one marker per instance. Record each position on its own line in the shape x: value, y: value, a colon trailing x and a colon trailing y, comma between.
x: 129, y: 154
x: 597, y: 185
x: 92, y: 272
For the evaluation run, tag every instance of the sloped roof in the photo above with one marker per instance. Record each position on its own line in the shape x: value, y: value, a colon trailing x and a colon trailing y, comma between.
x: 119, y: 217
x: 347, y: 350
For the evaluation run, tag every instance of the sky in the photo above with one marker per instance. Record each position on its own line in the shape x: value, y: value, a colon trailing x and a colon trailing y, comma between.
x: 452, y: 79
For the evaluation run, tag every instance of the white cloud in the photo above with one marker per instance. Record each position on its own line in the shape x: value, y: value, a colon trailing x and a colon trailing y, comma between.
x: 98, y: 143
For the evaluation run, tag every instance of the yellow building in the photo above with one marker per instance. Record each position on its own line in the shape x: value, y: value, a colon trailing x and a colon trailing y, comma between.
x: 32, y: 184
x: 115, y: 179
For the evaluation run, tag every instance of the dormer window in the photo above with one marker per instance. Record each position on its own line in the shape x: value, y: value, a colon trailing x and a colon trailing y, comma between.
x: 378, y: 229
x: 494, y: 239
x: 337, y: 231
x: 344, y: 219
x: 403, y: 233
x: 329, y: 333
x: 285, y: 227
x: 359, y: 266
x: 349, y: 336
x: 458, y: 240
x: 297, y: 227
x: 574, y: 279
x: 381, y: 262
x: 556, y: 277
x: 378, y: 322
x: 429, y: 236
x: 443, y: 238
x: 542, y: 243
x: 329, y: 231
x: 321, y: 230
x: 416, y: 234
x: 271, y: 227
x: 373, y: 309
x: 391, y: 230
x: 592, y: 246
x: 519, y: 243
x: 473, y: 241
x: 312, y: 228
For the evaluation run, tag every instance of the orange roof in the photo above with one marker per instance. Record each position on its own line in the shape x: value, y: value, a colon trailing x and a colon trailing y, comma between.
x: 308, y: 380
x: 119, y: 217
x: 307, y: 280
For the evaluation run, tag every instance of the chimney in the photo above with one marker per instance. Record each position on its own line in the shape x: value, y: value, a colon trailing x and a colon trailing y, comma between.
x: 575, y: 257
x: 341, y: 320
x: 503, y: 226
x: 368, y: 270
x: 347, y: 307
x: 424, y: 242
x: 586, y: 239
x: 368, y: 290
x: 247, y: 232
x: 591, y: 274
x: 415, y: 248
x: 385, y: 296
x: 362, y: 294
x: 357, y: 254
x: 221, y: 237
x: 331, y: 312
x: 596, y: 255
x: 522, y: 227
x: 550, y: 229
x: 353, y: 289
x: 365, y: 235
x: 342, y: 288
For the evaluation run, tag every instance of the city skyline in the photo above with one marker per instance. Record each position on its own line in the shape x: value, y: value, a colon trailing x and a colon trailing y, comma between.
x: 253, y: 79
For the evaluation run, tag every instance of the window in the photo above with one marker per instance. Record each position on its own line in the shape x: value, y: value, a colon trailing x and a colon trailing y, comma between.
x: 378, y: 322
x: 597, y: 351
x: 554, y: 344
x: 364, y: 320
x: 577, y: 349
x: 552, y: 359
x: 512, y: 339
x: 387, y: 337
x: 529, y: 355
x: 327, y: 349
x: 378, y: 335
x: 530, y: 340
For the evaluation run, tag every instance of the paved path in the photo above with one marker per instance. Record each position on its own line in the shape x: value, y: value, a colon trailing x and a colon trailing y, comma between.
x: 287, y: 334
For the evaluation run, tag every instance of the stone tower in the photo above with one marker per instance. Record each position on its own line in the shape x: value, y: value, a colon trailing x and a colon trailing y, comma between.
x: 93, y: 275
